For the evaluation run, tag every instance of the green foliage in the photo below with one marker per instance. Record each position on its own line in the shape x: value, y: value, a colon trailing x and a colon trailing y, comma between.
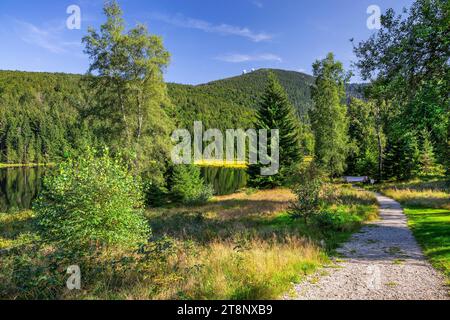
x: 90, y: 202
x: 39, y: 118
x: 39, y: 272
x: 156, y: 195
x: 63, y: 113
x: 338, y: 221
x: 364, y: 144
x: 125, y: 77
x: 402, y: 157
x: 276, y: 112
x: 232, y: 103
x: 427, y: 160
x: 408, y: 58
x: 232, y: 248
x: 188, y: 186
x: 250, y: 88
x: 329, y: 116
x: 308, y: 194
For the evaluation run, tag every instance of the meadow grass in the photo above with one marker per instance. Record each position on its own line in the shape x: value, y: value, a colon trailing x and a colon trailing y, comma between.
x: 427, y: 206
x: 431, y: 228
x: 420, y: 197
x: 15, y: 228
x: 243, y: 246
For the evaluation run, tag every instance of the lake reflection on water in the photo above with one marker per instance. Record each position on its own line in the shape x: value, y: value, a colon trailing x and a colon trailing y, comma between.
x: 225, y: 180
x: 19, y: 187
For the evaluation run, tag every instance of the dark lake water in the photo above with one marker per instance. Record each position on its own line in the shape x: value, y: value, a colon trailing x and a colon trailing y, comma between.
x: 20, y: 186
x: 225, y: 180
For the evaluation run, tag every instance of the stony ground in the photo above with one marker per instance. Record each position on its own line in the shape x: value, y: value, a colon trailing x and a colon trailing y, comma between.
x: 382, y: 262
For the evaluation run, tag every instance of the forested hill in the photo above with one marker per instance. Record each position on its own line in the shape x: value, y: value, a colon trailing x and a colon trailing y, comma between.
x: 38, y: 115
x: 237, y: 97
x: 249, y: 87
x: 39, y: 112
x: 231, y: 101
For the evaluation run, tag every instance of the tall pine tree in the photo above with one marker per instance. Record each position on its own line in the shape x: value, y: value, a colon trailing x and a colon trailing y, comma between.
x: 277, y: 112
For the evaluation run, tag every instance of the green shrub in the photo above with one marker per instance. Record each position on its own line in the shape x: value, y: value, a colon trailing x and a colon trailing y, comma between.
x: 91, y: 202
x: 155, y: 194
x: 308, y: 193
x: 188, y: 186
x: 336, y: 221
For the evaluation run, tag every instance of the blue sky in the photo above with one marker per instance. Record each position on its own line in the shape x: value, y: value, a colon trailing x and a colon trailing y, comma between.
x: 208, y: 39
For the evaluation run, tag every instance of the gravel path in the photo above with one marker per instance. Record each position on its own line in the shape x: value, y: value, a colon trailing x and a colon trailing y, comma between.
x: 382, y: 262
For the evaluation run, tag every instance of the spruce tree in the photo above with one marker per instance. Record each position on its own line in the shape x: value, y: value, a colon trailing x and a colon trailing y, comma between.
x: 427, y: 159
x: 277, y: 112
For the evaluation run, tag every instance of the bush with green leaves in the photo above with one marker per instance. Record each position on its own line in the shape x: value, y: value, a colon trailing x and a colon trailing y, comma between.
x: 188, y: 187
x: 91, y: 202
x: 308, y: 194
x: 339, y: 220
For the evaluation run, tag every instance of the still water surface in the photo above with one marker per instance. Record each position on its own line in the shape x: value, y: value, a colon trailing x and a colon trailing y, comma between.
x: 225, y: 180
x: 20, y: 186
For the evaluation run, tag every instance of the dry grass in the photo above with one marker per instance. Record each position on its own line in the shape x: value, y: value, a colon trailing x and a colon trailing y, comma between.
x: 223, y: 271
x: 424, y: 198
x: 434, y: 194
x: 260, y: 271
x: 261, y: 203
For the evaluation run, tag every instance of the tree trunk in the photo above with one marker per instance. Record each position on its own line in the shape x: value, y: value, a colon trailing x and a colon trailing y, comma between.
x: 380, y: 157
x: 140, y: 118
x: 124, y: 116
x: 380, y: 143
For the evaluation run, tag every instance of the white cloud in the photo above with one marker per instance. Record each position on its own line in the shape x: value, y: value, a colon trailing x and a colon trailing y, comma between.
x: 223, y: 29
x: 239, y: 58
x: 46, y: 38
